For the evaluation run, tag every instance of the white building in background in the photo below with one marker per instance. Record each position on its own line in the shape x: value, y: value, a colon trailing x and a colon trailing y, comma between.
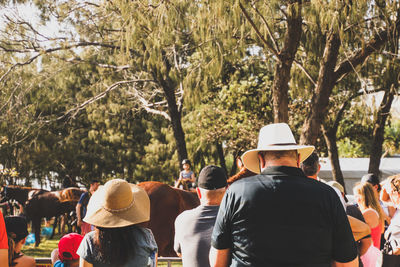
x: 354, y: 168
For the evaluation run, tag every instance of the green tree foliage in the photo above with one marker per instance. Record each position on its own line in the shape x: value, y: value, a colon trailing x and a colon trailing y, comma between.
x: 229, y: 115
x: 129, y: 89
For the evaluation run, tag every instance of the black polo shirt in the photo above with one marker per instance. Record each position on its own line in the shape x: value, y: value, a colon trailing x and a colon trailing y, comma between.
x: 281, y: 217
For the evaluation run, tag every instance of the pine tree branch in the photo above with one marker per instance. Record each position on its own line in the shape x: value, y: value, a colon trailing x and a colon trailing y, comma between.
x: 373, y: 45
x: 74, y: 111
x: 268, y: 28
x: 51, y: 50
x: 253, y: 25
x: 146, y: 105
x: 29, y: 61
x: 105, y: 66
x: 179, y: 101
x: 29, y: 25
x: 298, y: 64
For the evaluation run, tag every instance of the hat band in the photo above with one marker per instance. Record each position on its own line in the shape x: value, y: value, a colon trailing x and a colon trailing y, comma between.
x: 284, y: 144
x: 119, y: 210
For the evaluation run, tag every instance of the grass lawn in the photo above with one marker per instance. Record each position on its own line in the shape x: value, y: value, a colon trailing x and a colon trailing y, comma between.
x: 47, y: 245
x: 45, y: 248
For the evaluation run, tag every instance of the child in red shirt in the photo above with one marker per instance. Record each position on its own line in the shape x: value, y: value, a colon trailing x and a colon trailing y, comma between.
x: 3, y: 243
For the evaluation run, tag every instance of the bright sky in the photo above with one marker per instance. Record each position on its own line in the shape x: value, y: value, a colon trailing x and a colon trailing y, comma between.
x: 30, y: 13
x: 377, y: 99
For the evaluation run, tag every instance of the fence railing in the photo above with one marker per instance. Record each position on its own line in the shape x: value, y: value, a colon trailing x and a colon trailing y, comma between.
x: 46, y: 262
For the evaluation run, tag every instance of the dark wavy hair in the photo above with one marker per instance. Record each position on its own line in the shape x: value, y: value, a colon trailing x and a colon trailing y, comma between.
x: 115, y: 244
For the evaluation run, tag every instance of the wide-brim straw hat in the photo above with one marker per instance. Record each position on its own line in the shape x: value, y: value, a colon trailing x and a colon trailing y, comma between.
x: 274, y: 137
x: 118, y: 204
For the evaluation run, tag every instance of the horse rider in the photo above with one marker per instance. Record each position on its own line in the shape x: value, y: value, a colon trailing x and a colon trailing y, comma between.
x: 186, y: 178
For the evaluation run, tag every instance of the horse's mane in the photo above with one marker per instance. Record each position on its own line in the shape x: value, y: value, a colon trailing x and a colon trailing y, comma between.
x: 20, y: 187
x: 243, y: 173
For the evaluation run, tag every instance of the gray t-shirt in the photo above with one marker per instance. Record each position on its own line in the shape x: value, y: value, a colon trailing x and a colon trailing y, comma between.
x: 145, y: 249
x: 186, y: 175
x: 193, y: 230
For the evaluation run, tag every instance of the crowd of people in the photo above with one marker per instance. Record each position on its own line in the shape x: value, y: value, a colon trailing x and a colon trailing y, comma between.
x: 285, y: 215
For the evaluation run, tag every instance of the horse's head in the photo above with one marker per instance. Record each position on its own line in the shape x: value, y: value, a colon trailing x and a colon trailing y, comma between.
x: 3, y: 194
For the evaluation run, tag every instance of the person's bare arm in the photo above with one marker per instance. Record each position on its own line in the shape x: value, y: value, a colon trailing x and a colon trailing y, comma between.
x: 54, y: 256
x: 353, y: 263
x: 358, y: 228
x: 392, y: 211
x: 4, y: 257
x: 30, y: 262
x: 78, y: 214
x: 384, y: 194
x: 220, y: 257
x: 365, y: 243
x: 83, y: 263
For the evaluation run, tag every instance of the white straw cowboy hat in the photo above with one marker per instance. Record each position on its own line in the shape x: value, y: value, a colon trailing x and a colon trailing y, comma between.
x: 274, y: 137
x: 118, y: 204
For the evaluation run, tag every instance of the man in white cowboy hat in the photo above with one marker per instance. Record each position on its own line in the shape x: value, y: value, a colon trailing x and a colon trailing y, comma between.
x: 281, y: 217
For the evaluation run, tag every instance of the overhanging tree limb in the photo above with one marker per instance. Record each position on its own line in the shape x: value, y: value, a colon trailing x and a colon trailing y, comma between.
x: 326, y: 81
x: 268, y: 28
x: 51, y: 50
x: 373, y: 45
x: 255, y: 28
x: 75, y: 111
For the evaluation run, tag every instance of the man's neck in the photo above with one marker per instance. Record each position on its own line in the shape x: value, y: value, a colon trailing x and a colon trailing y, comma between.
x: 281, y: 162
x: 208, y: 204
x: 315, y: 177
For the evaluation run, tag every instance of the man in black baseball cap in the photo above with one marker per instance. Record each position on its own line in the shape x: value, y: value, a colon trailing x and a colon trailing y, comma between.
x: 193, y: 228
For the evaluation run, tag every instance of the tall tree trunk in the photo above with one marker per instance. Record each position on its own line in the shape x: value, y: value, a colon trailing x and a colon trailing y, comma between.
x: 323, y: 90
x: 391, y: 84
x: 330, y: 74
x: 329, y: 133
x: 175, y: 114
x: 284, y: 57
x: 176, y: 123
x: 330, y: 140
x: 379, y: 131
x: 280, y: 86
x: 221, y: 157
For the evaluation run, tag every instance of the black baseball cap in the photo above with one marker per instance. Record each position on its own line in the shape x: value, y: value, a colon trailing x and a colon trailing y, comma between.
x: 212, y: 177
x: 17, y: 227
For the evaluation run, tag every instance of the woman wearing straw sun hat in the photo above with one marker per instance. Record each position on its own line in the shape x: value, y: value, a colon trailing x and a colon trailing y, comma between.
x: 116, y: 210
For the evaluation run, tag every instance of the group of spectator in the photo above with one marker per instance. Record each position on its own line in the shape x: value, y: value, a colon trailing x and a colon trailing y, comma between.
x: 285, y: 215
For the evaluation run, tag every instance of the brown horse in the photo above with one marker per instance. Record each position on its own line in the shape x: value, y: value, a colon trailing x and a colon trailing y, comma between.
x: 51, y: 204
x: 18, y: 193
x: 166, y: 203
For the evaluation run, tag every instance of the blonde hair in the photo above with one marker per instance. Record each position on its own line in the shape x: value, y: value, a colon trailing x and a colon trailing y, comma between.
x: 368, y: 198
